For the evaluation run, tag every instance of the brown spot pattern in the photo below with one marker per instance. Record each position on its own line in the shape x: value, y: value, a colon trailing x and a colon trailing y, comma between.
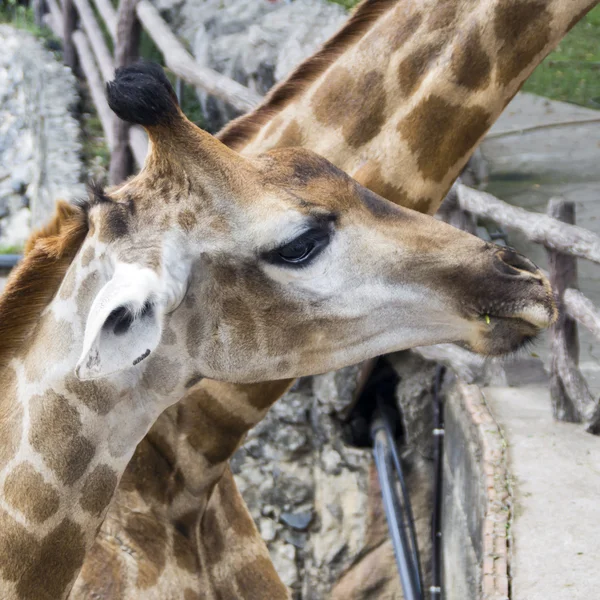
x: 190, y: 594
x: 26, y: 491
x: 415, y: 66
x: 260, y: 574
x: 421, y: 205
x: 87, y: 291
x: 239, y: 316
x: 194, y: 334
x: 11, y: 417
x: 440, y: 134
x: 88, y: 256
x: 96, y: 395
x: 471, y: 66
x: 150, y: 537
x: 41, y: 570
x: 101, y: 575
x: 211, y: 429
x: 291, y: 136
x: 371, y: 177
x: 151, y: 470
x: 98, y: 489
x: 56, y: 434
x: 399, y: 32
x: 185, y: 553
x: 187, y: 220
x: 355, y: 105
x: 161, y: 374
x: 114, y: 222
x: 444, y: 15
x: 523, y: 28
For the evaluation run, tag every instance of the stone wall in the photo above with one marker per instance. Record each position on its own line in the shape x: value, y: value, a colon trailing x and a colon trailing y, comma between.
x: 39, y: 138
x: 316, y: 497
x: 477, y: 501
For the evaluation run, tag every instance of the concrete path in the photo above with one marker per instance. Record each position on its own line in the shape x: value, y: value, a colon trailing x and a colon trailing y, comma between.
x: 555, y: 471
x: 555, y: 468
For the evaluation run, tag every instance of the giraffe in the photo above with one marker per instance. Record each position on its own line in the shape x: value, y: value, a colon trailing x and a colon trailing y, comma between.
x: 207, y: 265
x: 432, y: 59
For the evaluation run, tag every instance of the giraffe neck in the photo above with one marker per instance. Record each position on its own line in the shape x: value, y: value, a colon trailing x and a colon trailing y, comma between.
x: 404, y: 102
x: 65, y: 445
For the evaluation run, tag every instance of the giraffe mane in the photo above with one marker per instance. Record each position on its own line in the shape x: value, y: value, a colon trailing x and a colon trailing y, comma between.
x: 34, y: 282
x: 244, y: 128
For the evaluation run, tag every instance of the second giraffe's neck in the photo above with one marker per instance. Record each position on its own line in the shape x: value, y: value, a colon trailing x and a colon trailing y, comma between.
x: 65, y: 445
x: 404, y: 102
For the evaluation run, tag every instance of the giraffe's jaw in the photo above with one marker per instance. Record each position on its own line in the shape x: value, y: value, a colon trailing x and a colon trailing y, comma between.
x: 504, y: 333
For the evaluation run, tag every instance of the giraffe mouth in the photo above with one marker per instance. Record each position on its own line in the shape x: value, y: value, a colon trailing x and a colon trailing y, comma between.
x: 539, y: 316
x: 504, y: 328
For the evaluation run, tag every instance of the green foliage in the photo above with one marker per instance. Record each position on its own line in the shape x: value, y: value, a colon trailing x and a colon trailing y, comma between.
x: 346, y: 3
x: 572, y: 72
x: 21, y: 17
x: 11, y: 249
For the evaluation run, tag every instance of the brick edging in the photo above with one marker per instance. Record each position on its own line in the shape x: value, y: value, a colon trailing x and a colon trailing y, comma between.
x: 498, y: 516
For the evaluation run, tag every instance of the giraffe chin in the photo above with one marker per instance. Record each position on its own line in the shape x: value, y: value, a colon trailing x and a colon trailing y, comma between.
x: 502, y: 335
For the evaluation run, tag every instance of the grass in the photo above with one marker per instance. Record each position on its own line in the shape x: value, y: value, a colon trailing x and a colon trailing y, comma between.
x: 572, y: 72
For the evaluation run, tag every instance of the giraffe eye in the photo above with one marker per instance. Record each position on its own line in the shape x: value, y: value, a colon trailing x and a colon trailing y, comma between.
x: 302, y: 250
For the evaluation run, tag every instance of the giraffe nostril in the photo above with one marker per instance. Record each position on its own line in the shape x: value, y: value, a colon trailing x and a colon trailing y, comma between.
x: 510, y: 262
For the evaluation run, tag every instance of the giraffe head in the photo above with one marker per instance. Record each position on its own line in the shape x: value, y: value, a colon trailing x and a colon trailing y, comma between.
x: 279, y: 266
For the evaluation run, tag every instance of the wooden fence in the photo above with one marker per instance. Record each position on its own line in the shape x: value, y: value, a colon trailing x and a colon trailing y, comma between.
x: 87, y: 52
x: 565, y: 242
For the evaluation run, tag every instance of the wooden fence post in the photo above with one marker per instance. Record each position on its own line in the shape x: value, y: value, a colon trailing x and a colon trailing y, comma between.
x: 571, y: 398
x: 126, y: 53
x: 69, y: 26
x: 38, y: 7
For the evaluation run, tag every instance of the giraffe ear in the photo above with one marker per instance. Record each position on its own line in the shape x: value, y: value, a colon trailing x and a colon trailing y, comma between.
x: 124, y: 325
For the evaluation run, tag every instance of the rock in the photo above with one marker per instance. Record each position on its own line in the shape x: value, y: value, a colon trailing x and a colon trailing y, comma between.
x: 284, y: 559
x: 338, y: 389
x: 15, y: 229
x: 331, y: 461
x: 254, y: 42
x: 40, y: 151
x: 296, y: 538
x: 414, y: 395
x: 299, y: 521
x: 268, y: 530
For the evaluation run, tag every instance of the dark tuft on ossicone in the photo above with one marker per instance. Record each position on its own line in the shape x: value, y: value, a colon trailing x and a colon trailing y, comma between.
x: 142, y: 94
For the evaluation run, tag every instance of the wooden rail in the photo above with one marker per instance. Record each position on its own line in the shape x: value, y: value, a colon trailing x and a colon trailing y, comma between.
x: 538, y: 228
x: 87, y: 53
x: 181, y: 62
x: 564, y: 243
